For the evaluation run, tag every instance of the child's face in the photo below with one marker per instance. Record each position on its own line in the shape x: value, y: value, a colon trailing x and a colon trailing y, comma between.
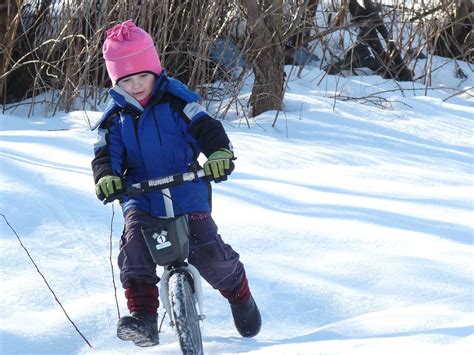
x: 139, y: 86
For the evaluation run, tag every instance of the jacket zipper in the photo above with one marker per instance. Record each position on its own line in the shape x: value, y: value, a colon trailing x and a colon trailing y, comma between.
x: 157, y: 127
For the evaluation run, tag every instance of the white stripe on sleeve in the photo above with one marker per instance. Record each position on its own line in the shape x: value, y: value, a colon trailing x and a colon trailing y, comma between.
x: 192, y: 109
x: 101, y: 141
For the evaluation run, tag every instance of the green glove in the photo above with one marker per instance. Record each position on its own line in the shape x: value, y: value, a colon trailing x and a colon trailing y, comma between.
x: 108, y: 186
x: 219, y: 165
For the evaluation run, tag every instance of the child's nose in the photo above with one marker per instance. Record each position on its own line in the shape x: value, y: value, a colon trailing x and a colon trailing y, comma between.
x: 136, y: 83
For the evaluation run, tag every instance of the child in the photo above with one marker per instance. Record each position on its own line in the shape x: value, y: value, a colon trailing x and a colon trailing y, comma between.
x: 154, y: 127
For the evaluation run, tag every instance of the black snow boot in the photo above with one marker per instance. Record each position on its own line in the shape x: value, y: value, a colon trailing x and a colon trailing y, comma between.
x: 247, y: 318
x: 141, y: 327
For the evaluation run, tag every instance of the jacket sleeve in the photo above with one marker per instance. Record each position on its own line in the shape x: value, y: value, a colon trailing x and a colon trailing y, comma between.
x: 207, y: 131
x: 109, y: 151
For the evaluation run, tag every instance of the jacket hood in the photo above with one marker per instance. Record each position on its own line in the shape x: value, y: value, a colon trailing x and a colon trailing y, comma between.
x: 119, y: 99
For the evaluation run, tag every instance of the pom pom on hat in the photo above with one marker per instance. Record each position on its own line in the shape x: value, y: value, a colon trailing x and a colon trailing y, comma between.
x: 127, y: 50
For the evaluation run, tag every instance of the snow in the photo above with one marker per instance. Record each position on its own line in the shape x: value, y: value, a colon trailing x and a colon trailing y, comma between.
x: 354, y: 219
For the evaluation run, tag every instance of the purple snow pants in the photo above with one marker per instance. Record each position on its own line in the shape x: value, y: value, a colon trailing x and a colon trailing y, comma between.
x: 216, y: 261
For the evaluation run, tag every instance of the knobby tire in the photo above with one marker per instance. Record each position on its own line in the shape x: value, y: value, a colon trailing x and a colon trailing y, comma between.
x: 184, y: 314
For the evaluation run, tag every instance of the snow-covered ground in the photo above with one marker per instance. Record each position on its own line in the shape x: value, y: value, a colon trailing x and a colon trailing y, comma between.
x: 354, y: 220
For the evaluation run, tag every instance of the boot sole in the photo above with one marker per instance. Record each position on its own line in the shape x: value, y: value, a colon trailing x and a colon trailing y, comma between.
x: 135, y: 333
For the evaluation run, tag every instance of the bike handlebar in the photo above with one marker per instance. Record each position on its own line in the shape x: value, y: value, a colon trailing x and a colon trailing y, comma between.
x: 157, y: 184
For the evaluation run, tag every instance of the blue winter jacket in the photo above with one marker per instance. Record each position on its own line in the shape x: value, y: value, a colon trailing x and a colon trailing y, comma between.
x: 164, y: 138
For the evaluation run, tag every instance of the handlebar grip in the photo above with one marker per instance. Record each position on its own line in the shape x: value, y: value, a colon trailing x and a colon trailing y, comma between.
x: 113, y: 197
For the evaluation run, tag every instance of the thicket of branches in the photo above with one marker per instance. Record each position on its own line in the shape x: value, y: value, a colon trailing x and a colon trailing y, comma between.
x: 51, y: 46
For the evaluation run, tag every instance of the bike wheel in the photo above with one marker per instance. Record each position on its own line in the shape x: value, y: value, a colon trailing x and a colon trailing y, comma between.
x: 184, y: 314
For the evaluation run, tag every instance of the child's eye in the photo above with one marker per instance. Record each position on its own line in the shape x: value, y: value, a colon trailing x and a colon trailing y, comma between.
x: 126, y: 80
x: 144, y: 75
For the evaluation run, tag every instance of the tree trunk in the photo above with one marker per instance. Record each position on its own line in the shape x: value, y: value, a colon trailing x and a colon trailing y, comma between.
x: 266, y: 54
x: 267, y: 90
x: 299, y: 41
x: 370, y: 24
x: 457, y: 39
x: 303, y: 36
x: 6, y: 11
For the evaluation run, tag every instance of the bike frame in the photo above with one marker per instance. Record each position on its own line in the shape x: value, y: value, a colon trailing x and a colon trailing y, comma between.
x: 159, y: 184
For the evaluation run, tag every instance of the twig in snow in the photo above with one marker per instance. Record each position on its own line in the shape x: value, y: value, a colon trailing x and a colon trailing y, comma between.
x: 45, y: 281
x: 110, y: 259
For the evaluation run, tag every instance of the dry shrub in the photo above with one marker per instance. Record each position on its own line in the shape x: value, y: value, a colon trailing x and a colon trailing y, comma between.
x: 55, y: 47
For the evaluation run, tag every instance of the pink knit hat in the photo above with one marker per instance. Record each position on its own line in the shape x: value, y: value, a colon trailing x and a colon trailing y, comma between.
x: 129, y: 49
